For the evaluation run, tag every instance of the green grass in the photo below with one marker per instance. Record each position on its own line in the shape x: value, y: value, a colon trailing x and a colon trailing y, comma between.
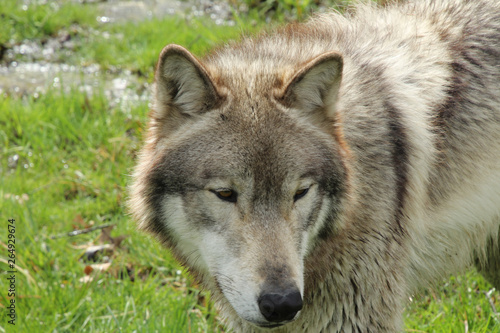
x: 40, y: 19
x: 465, y: 303
x: 144, y: 41
x: 74, y: 153
x: 65, y: 157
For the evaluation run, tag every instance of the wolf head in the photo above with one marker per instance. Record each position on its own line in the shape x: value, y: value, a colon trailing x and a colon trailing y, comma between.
x: 241, y: 174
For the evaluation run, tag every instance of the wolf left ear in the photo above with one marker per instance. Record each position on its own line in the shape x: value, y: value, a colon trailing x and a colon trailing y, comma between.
x: 184, y: 87
x: 315, y: 86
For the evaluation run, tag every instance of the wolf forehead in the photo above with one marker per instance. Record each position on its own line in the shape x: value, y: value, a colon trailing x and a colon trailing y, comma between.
x: 228, y: 144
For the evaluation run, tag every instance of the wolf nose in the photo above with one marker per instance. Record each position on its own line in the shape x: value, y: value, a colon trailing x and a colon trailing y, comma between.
x: 280, y: 307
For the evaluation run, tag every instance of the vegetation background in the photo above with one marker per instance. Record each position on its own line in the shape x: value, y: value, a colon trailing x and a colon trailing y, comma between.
x: 74, y: 89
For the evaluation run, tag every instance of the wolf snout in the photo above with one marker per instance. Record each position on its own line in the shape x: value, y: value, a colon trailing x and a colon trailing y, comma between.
x: 280, y: 306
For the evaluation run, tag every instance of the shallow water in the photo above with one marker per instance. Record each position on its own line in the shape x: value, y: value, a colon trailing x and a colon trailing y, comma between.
x: 32, y: 68
x: 34, y: 78
x: 120, y: 11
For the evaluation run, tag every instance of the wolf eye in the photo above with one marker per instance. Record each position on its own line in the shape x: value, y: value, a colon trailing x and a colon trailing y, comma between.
x: 300, y: 193
x: 226, y: 195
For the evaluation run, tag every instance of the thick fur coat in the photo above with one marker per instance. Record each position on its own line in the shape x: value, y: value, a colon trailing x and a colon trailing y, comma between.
x: 314, y: 177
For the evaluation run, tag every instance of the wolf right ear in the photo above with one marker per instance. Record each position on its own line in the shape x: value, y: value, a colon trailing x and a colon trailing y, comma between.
x: 313, y: 89
x: 183, y: 85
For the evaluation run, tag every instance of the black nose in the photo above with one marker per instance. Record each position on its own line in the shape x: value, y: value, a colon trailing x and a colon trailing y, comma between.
x: 279, y: 307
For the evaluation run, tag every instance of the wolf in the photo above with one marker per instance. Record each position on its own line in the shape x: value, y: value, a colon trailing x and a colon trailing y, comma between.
x: 314, y: 177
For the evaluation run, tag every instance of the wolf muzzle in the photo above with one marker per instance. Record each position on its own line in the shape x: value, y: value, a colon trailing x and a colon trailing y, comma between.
x: 280, y: 306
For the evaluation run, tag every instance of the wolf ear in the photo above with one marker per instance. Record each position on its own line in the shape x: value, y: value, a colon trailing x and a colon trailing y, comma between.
x: 315, y: 86
x: 183, y: 85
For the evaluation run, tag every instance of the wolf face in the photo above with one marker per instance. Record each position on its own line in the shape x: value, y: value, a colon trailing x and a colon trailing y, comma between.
x: 240, y: 183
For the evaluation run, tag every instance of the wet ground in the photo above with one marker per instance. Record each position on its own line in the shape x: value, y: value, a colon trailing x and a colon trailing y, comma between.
x: 116, y: 10
x: 32, y: 67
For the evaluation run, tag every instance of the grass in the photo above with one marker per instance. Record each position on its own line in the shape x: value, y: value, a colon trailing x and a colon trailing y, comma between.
x: 73, y: 154
x: 466, y: 303
x: 145, y: 39
x: 39, y: 19
x: 65, y: 156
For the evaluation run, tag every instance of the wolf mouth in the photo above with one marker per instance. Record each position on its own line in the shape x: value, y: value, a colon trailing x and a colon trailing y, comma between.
x: 271, y: 326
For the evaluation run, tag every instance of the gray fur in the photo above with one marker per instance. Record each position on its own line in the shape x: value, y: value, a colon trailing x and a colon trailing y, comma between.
x: 388, y: 117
